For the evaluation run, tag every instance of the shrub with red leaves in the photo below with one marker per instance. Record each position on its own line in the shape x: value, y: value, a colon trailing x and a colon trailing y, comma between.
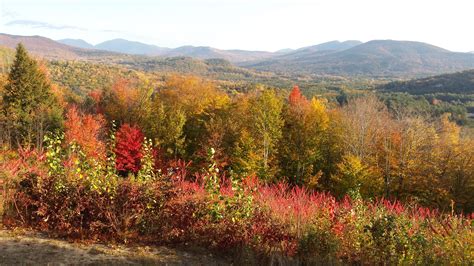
x: 128, y: 149
x: 291, y: 225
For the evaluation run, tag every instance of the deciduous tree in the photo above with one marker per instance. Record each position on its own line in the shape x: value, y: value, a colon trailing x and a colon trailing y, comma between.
x: 85, y: 130
x: 303, y: 134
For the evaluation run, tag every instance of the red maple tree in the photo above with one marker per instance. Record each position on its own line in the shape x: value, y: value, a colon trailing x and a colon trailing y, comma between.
x: 128, y: 149
x: 296, y: 98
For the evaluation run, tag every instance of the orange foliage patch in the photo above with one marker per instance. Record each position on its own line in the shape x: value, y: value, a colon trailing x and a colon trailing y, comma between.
x: 85, y: 130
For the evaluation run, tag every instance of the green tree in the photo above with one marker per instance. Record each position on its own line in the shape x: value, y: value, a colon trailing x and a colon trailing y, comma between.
x: 28, y: 102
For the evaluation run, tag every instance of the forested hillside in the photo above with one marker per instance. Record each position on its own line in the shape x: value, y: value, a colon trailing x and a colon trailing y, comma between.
x: 456, y: 83
x: 453, y: 93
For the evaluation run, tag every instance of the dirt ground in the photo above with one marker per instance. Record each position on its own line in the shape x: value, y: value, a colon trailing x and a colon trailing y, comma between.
x: 27, y: 248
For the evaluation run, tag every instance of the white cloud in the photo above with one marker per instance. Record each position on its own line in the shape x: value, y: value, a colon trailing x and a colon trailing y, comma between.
x: 41, y: 25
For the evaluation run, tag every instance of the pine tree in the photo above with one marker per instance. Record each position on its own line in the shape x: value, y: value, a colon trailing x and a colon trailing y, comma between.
x: 28, y: 103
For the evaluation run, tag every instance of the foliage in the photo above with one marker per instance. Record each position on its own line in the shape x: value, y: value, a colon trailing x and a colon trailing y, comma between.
x: 128, y: 149
x: 167, y: 129
x: 277, y: 222
x: 354, y: 177
x: 265, y: 189
x: 191, y: 94
x: 305, y: 125
x: 86, y: 130
x: 29, y: 106
x: 147, y: 164
x: 265, y: 127
x: 82, y: 77
x: 124, y: 103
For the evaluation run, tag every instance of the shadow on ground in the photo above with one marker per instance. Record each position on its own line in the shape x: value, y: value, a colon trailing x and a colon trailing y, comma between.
x: 36, y: 249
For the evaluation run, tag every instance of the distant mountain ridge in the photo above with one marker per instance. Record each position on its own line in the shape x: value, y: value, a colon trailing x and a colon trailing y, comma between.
x: 40, y: 46
x: 50, y: 49
x: 379, y: 58
x: 204, y: 52
x: 130, y: 47
x: 320, y: 49
x: 200, y: 52
x: 79, y: 43
x: 330, y: 46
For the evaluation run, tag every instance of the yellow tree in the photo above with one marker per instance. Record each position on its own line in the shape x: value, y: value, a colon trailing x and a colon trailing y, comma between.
x: 191, y: 94
x: 332, y: 149
x: 364, y: 120
x: 413, y: 141
x: 127, y: 103
x: 353, y: 177
x: 435, y: 164
x: 303, y: 134
x: 453, y: 174
x: 259, y: 120
x: 166, y: 129
x: 266, y: 128
x: 181, y: 110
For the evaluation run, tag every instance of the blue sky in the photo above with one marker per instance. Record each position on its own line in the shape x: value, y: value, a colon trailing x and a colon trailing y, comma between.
x: 244, y: 24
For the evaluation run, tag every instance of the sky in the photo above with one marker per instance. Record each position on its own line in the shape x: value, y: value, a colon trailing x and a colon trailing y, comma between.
x: 244, y: 24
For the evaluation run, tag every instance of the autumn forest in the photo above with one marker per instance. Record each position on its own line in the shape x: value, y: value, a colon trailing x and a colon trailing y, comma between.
x: 253, y: 171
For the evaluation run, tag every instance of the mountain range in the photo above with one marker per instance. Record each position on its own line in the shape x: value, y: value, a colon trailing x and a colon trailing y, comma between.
x: 323, y: 48
x: 39, y: 45
x: 79, y: 43
x: 138, y: 48
x: 50, y: 49
x: 377, y: 58
x: 373, y: 58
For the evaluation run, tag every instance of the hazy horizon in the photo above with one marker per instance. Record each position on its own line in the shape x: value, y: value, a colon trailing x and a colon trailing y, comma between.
x: 247, y: 25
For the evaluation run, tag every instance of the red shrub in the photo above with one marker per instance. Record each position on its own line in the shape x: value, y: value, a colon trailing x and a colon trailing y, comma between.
x: 128, y: 149
x: 285, y: 222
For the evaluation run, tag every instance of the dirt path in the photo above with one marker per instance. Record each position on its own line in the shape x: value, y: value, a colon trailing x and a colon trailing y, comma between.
x: 36, y: 249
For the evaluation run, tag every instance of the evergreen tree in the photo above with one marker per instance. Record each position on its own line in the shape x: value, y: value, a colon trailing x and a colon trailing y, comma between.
x: 28, y: 103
